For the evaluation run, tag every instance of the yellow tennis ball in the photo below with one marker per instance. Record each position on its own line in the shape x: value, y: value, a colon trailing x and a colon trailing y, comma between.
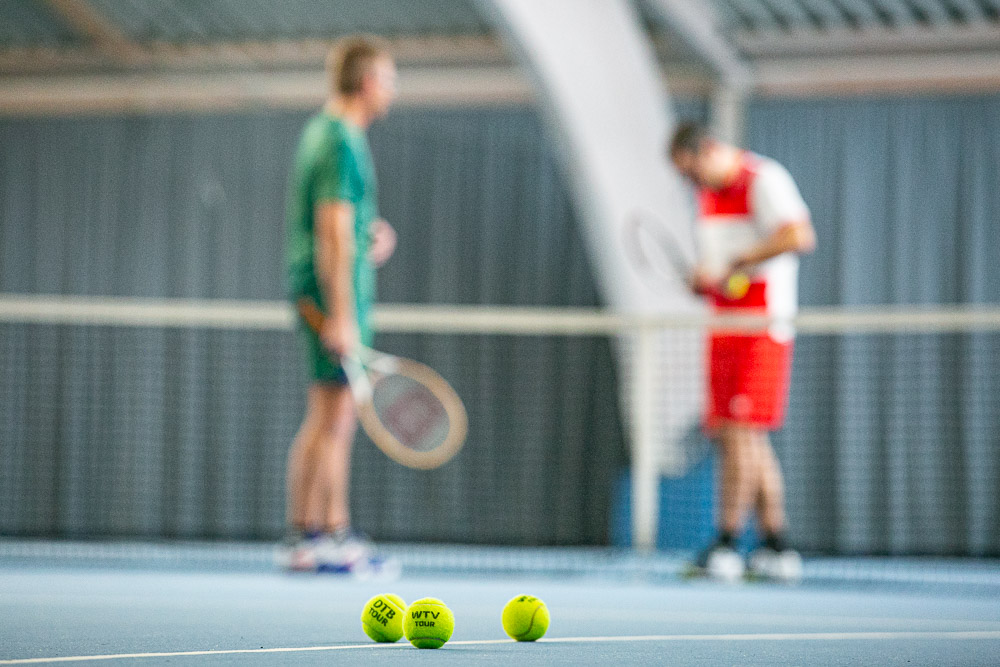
x: 737, y: 286
x: 525, y: 618
x: 428, y: 623
x: 382, y: 617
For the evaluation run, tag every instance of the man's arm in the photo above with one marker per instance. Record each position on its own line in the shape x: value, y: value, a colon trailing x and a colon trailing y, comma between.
x: 798, y: 237
x: 335, y: 248
x: 781, y: 214
x: 383, y: 242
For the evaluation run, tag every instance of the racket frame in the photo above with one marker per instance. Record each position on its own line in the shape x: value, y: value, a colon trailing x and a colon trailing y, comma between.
x: 641, y: 221
x: 359, y: 367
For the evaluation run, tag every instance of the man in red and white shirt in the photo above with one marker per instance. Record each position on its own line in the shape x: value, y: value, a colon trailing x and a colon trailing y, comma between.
x: 752, y: 222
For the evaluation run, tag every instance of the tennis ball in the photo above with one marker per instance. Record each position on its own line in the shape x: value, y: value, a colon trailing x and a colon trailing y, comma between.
x: 428, y: 623
x: 525, y: 618
x: 737, y: 286
x: 382, y: 617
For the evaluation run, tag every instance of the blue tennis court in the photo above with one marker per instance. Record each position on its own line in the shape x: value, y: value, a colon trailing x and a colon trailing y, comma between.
x: 211, y: 604
x: 561, y: 298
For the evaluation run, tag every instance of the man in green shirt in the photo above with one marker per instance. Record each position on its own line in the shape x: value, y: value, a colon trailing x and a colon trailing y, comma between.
x: 335, y: 241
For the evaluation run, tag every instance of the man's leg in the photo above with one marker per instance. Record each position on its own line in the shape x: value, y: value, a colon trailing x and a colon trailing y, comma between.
x: 768, y: 390
x: 302, y: 469
x: 739, y: 480
x: 334, y: 465
x: 319, y: 461
x: 320, y: 538
x: 738, y: 484
x: 771, y: 490
x: 774, y: 559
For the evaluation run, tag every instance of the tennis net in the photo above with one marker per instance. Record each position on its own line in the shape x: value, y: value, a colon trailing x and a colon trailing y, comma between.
x: 171, y: 420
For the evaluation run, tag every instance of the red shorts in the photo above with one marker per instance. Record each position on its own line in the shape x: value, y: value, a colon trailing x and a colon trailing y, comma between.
x: 749, y: 376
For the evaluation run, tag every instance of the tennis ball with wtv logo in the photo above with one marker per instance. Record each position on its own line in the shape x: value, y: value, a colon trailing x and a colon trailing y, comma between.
x: 428, y: 623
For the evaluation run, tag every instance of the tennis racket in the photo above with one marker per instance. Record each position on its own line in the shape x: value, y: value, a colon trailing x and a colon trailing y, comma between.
x: 409, y: 411
x: 655, y: 252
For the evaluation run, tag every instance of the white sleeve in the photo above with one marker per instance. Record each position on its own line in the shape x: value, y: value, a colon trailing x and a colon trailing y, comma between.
x: 775, y: 199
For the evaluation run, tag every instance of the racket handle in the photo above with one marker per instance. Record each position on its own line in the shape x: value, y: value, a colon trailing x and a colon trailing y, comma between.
x: 357, y: 378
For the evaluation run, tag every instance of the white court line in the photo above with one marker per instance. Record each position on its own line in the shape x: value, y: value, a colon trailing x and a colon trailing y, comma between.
x: 729, y: 617
x: 772, y: 637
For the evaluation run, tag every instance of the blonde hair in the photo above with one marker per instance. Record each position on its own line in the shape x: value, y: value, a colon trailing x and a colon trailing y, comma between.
x: 350, y: 60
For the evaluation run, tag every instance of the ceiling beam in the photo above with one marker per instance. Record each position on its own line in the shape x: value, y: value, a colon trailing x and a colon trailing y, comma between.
x: 913, y: 38
x: 124, y: 93
x: 861, y: 12
x: 827, y: 13
x: 223, y: 91
x: 971, y: 10
x: 898, y: 11
x: 487, y: 86
x: 759, y: 16
x: 934, y: 10
x: 884, y: 74
x: 429, y: 50
x: 693, y: 21
x: 105, y: 38
x: 788, y: 13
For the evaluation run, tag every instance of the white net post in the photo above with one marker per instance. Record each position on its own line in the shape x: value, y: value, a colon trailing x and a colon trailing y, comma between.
x: 645, y: 472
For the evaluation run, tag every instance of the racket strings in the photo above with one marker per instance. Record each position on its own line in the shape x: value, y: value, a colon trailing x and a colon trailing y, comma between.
x: 411, y: 412
x: 656, y: 257
x: 656, y: 252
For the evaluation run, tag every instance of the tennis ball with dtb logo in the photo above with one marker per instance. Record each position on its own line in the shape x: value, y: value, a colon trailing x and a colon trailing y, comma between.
x: 428, y: 623
x: 382, y: 617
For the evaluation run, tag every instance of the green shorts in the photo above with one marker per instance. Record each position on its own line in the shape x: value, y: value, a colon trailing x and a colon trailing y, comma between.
x: 323, y: 366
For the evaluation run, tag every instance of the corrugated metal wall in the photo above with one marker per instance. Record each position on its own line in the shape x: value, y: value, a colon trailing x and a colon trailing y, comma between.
x: 181, y: 433
x: 891, y: 445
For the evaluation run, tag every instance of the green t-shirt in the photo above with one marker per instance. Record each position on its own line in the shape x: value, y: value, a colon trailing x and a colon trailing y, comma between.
x: 333, y: 163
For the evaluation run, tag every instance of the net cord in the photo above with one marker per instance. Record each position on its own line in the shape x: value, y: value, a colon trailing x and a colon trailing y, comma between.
x: 447, y: 319
x: 492, y: 320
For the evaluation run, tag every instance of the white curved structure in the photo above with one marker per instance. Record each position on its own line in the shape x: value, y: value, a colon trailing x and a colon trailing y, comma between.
x: 602, y: 91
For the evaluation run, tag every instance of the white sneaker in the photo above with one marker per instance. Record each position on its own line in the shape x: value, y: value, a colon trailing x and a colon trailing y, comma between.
x: 721, y: 563
x: 342, y: 552
x: 350, y: 552
x: 784, y: 566
x: 296, y: 553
